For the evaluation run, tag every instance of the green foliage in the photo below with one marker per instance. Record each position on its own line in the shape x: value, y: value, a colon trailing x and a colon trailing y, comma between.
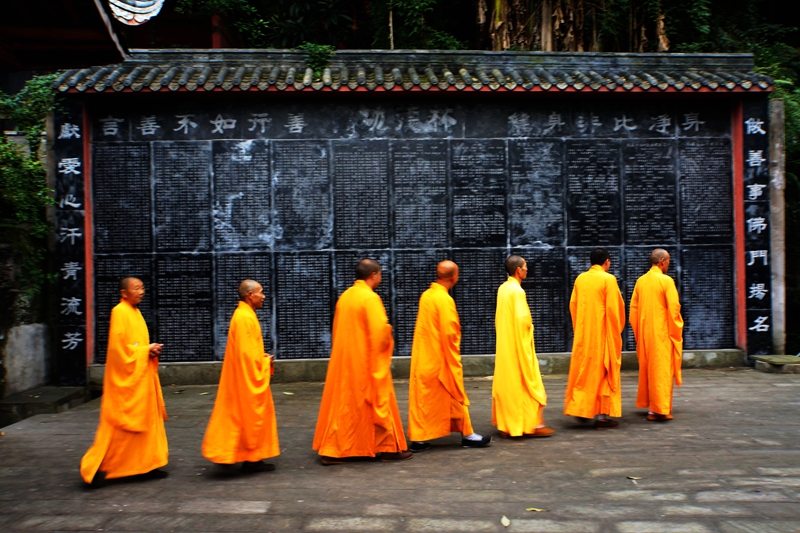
x: 319, y: 55
x: 241, y: 16
x: 440, y: 40
x: 619, y: 23
x: 24, y: 194
x: 23, y: 189
x: 28, y: 108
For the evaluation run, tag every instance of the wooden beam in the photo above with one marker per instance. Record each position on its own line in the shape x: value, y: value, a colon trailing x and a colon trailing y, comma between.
x: 777, y: 215
x: 7, y: 57
x: 39, y: 34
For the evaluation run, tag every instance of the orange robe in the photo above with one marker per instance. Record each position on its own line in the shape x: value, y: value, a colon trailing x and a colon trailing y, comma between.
x: 358, y: 416
x: 658, y: 327
x: 243, y: 425
x: 131, y: 438
x: 518, y: 395
x: 598, y: 317
x: 437, y: 401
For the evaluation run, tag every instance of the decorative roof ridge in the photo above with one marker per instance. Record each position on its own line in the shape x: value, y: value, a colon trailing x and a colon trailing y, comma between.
x: 418, y: 70
x: 486, y: 58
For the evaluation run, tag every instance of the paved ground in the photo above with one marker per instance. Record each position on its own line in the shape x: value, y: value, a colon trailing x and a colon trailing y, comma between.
x: 729, y: 463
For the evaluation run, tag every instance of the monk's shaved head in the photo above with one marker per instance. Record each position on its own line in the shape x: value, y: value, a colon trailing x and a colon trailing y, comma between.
x: 124, y: 282
x: 657, y: 255
x: 513, y: 263
x: 246, y: 287
x: 599, y: 256
x: 366, y: 268
x: 446, y: 270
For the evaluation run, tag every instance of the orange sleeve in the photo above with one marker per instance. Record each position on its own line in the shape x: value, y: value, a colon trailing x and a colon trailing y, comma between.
x: 128, y: 358
x: 615, y: 321
x: 675, y: 327
x: 573, y: 306
x: 523, y: 332
x: 381, y: 344
x: 634, y: 318
x: 452, y: 372
x: 253, y: 378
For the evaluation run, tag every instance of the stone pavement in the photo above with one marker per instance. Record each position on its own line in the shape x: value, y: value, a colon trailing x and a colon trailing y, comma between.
x: 728, y: 463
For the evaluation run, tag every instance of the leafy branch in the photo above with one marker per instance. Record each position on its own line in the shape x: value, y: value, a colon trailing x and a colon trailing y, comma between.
x: 318, y: 56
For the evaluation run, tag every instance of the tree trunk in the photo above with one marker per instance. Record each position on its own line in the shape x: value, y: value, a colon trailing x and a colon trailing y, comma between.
x: 661, y: 32
x: 547, y: 25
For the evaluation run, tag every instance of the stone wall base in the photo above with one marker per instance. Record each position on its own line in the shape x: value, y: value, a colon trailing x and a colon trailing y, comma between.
x: 207, y: 373
x: 26, y: 358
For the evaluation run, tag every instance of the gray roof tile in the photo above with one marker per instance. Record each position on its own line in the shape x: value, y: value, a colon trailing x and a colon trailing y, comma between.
x: 286, y: 70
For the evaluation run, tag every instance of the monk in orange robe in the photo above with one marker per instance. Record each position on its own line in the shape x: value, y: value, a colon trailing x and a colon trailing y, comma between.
x: 243, y: 427
x: 658, y: 327
x: 130, y: 439
x: 437, y: 401
x: 358, y: 416
x: 518, y: 395
x: 598, y: 317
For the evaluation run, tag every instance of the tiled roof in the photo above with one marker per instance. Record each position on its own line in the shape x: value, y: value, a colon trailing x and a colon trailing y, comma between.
x: 414, y: 70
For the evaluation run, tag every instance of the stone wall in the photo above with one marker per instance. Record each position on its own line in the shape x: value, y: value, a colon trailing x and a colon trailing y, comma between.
x: 25, y: 357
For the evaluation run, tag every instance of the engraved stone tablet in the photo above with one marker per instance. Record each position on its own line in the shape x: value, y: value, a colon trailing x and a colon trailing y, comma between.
x: 361, y: 194
x: 479, y: 193
x: 480, y: 273
x: 706, y: 191
x: 122, y: 192
x: 649, y: 192
x: 183, y: 196
x: 536, y: 199
x: 419, y: 187
x: 593, y: 204
x: 200, y: 195
x: 303, y: 211
x: 707, y: 297
x: 242, y: 195
x: 183, y: 298
x: 304, y: 309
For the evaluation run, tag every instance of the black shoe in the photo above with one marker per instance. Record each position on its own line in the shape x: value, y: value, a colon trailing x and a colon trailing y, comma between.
x: 98, y: 481
x: 483, y: 443
x: 156, y: 474
x: 257, y: 466
x: 606, y: 423
x: 419, y: 446
x: 388, y: 457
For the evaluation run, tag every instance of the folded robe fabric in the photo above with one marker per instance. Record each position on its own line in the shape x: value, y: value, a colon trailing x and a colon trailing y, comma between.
x: 358, y: 415
x: 518, y: 394
x: 658, y: 327
x: 437, y: 402
x: 598, y: 317
x: 242, y: 426
x: 130, y: 438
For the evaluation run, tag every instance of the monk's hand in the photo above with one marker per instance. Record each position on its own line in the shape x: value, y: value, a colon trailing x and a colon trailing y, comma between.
x: 271, y: 359
x: 155, y: 349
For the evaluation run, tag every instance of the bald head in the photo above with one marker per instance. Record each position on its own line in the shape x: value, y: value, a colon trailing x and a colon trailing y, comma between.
x: 447, y: 274
x: 657, y: 255
x: 446, y: 270
x: 513, y: 263
x: 124, y: 283
x: 366, y: 268
x: 131, y: 290
x: 246, y: 287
